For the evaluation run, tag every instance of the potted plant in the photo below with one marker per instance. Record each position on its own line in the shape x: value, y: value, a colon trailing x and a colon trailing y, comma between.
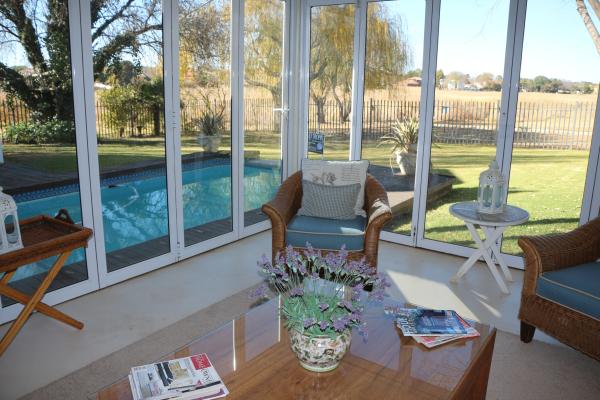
x: 403, y: 138
x: 211, y: 123
x: 322, y: 301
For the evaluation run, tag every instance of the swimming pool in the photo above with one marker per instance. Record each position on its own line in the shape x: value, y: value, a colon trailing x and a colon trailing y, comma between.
x: 134, y: 207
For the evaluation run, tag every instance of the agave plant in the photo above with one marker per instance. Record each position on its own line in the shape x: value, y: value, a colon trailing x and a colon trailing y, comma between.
x: 404, y: 133
x: 211, y: 123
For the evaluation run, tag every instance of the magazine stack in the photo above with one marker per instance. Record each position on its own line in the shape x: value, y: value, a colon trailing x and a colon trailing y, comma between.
x: 188, y: 378
x: 432, y: 328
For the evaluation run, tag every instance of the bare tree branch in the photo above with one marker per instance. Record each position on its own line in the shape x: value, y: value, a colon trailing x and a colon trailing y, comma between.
x: 589, y: 23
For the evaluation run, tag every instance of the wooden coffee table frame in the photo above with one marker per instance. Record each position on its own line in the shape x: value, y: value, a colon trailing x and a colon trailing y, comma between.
x: 43, y: 237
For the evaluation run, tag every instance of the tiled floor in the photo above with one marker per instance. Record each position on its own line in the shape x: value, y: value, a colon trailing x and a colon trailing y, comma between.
x: 122, y: 314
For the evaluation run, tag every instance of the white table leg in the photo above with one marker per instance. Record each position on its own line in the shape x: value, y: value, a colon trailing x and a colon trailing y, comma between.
x: 473, y: 258
x: 496, y: 250
x: 483, y: 247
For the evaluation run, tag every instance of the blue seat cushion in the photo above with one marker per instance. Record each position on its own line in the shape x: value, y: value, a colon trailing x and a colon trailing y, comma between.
x: 327, y: 234
x: 575, y: 287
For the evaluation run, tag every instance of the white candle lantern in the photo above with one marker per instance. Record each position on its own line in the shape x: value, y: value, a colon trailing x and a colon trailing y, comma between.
x: 491, y: 192
x: 10, y: 235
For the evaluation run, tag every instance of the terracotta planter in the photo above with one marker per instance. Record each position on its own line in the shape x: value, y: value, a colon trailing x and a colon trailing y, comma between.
x: 320, y: 353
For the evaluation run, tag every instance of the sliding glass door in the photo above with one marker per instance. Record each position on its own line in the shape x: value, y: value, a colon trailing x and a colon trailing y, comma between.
x: 391, y: 111
x: 331, y: 55
x: 466, y: 110
x: 42, y: 140
x: 205, y: 104
x: 265, y: 104
x: 554, y: 121
x: 130, y: 130
x: 429, y: 93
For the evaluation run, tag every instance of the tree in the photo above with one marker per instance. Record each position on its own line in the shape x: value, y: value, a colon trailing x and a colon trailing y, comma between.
x: 204, y: 46
x: 331, y: 54
x: 539, y: 82
x: 588, y: 21
x: 41, y: 30
x: 263, y: 45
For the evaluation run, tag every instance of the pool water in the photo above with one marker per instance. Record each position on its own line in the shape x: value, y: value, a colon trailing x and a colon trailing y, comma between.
x: 136, y: 211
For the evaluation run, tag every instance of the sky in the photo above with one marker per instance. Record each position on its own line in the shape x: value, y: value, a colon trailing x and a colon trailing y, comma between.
x: 472, y: 38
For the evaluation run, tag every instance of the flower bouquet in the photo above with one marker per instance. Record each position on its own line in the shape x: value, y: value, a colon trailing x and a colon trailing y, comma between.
x: 322, y: 301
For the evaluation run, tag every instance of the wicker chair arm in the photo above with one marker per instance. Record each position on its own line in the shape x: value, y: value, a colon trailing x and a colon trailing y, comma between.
x: 378, y: 211
x: 287, y: 201
x: 557, y: 251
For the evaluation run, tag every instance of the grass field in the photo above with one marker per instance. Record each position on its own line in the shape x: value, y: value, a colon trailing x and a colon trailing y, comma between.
x: 547, y: 183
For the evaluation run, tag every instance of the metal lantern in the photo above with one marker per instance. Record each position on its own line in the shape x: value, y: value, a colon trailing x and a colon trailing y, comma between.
x: 492, y: 186
x: 10, y: 235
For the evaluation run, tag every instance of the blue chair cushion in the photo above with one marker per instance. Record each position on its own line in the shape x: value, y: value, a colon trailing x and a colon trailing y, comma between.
x: 327, y: 234
x: 575, y: 287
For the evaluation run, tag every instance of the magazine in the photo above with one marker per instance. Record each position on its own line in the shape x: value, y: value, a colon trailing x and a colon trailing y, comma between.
x: 183, y: 378
x: 425, y: 322
x: 434, y: 341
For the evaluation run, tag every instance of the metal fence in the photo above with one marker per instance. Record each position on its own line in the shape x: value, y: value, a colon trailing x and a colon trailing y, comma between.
x: 538, y: 125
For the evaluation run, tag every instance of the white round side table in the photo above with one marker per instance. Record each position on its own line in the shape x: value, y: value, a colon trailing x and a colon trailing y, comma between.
x: 493, y: 226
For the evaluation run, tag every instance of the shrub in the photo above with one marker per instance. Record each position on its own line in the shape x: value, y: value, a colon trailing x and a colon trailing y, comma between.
x: 53, y: 131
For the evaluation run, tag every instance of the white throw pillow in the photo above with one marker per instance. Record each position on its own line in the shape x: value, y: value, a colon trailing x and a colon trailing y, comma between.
x: 338, y: 173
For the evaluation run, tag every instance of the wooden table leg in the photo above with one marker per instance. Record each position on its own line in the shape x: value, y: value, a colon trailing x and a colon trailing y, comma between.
x: 41, y: 307
x: 16, y: 326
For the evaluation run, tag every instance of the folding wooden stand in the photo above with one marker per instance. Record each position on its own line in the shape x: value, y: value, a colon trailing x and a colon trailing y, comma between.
x: 43, y: 237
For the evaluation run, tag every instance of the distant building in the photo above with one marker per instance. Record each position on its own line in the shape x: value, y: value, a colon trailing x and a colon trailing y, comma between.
x: 452, y: 84
x: 414, y: 81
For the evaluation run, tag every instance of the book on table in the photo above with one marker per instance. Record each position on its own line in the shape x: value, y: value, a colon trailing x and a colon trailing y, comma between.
x: 187, y: 378
x: 432, y: 328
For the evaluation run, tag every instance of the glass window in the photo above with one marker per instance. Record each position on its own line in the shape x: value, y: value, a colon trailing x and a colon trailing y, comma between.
x: 263, y: 103
x: 555, y: 119
x: 471, y: 48
x: 38, y: 155
x: 129, y: 91
x: 330, y: 78
x: 394, y: 55
x: 205, y: 103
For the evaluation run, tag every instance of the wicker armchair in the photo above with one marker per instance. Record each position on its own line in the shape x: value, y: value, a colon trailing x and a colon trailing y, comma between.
x: 561, y: 253
x: 288, y: 199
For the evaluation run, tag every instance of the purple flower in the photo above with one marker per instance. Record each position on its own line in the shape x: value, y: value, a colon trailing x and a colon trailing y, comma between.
x: 323, y: 325
x: 339, y: 324
x: 297, y: 291
x: 362, y: 331
x: 308, y: 322
x: 355, y: 317
x: 356, y: 292
x: 323, y: 306
x: 259, y: 293
x: 346, y: 304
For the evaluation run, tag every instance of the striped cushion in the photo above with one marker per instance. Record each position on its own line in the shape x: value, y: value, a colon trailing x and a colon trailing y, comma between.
x: 326, y: 201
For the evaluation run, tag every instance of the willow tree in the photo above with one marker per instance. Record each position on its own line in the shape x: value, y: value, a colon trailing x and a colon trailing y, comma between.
x: 332, y: 55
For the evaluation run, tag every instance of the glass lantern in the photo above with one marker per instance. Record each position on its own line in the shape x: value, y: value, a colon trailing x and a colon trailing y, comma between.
x: 10, y: 235
x: 492, y: 185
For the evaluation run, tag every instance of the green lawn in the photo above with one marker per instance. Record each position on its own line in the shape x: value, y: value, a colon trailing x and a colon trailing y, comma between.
x: 547, y: 183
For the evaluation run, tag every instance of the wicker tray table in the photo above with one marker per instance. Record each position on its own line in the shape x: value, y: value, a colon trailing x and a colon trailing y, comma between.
x: 43, y: 237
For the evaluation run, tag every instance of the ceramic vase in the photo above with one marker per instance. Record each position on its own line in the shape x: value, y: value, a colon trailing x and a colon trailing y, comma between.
x: 320, y: 353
